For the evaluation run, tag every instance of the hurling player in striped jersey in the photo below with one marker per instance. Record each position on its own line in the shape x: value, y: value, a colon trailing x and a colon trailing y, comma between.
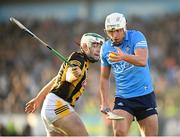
x: 61, y: 93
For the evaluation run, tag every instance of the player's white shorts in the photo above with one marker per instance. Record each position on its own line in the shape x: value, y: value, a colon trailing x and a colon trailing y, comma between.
x: 54, y: 108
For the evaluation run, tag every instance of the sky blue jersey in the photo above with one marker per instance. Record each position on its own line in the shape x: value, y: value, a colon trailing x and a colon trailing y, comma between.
x: 131, y: 80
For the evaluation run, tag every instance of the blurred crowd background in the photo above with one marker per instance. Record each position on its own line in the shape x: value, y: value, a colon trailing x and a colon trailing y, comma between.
x: 26, y: 66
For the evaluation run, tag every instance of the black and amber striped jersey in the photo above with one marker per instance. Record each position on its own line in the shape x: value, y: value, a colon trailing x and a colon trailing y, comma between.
x: 70, y: 92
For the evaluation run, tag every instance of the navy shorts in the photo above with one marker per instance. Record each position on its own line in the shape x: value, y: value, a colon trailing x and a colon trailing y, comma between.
x: 140, y: 107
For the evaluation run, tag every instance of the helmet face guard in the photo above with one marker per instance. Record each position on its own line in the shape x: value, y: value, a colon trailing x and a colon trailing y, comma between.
x: 89, y: 39
x: 115, y: 21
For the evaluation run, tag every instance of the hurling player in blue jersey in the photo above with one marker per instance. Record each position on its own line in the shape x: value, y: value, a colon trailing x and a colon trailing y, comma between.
x: 126, y: 53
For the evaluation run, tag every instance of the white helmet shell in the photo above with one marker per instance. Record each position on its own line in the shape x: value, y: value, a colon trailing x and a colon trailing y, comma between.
x: 89, y: 38
x: 115, y: 21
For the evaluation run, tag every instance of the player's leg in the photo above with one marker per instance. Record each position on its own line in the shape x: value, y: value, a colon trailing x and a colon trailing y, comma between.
x: 121, y: 108
x: 51, y: 131
x: 146, y: 114
x: 121, y: 127
x: 55, y: 133
x: 61, y: 117
x: 149, y: 126
x: 72, y: 125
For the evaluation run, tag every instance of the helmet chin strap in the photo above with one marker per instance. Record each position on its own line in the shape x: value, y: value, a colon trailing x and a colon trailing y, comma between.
x: 92, y: 60
x: 116, y: 44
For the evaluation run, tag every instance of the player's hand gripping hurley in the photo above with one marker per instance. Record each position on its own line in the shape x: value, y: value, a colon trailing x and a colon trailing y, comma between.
x: 111, y: 115
x: 56, y: 53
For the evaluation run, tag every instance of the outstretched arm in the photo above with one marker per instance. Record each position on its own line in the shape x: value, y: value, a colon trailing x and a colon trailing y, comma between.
x: 33, y: 104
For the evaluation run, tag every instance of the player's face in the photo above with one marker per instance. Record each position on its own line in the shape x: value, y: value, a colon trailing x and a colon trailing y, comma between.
x: 94, y: 51
x: 116, y: 35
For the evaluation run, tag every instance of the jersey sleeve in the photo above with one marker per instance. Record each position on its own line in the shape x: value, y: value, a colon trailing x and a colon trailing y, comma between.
x: 139, y: 40
x: 76, y: 59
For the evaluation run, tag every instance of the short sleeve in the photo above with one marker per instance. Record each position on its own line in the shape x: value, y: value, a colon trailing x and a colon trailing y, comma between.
x: 139, y: 40
x: 76, y: 59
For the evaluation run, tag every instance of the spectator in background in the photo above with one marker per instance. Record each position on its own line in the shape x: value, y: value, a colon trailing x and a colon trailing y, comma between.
x: 27, y: 131
x: 2, y: 130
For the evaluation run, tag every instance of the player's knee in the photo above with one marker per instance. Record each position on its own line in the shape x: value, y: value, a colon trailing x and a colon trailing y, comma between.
x: 120, y: 132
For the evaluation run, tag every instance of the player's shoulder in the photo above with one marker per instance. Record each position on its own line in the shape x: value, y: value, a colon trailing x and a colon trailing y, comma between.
x: 76, y: 54
x: 77, y: 58
x: 106, y: 46
x: 135, y: 33
x: 107, y: 43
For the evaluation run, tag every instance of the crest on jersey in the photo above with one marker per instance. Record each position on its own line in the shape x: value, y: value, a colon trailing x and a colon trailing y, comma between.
x: 127, y: 49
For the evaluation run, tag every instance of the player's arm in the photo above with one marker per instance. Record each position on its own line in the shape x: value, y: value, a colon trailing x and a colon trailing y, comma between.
x: 33, y: 104
x: 73, y: 73
x: 138, y: 59
x: 104, y: 86
x: 45, y: 90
